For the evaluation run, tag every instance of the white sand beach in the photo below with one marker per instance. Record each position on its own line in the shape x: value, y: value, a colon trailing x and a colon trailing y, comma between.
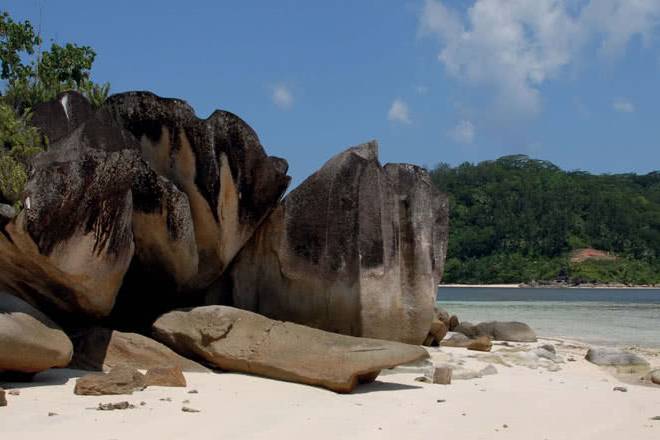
x: 576, y: 402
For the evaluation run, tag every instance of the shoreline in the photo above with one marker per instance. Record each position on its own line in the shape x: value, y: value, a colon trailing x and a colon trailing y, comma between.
x: 396, y: 405
x: 546, y: 286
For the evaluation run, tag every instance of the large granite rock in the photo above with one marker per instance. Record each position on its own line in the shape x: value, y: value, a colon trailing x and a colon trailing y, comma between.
x: 356, y: 249
x: 219, y: 163
x: 29, y: 341
x: 242, y: 341
x: 136, y: 208
x: 71, y: 245
x: 100, y: 348
x: 499, y: 331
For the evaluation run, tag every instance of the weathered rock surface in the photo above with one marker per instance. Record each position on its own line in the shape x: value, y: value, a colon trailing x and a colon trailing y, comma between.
x: 614, y: 358
x: 219, y: 163
x: 120, y: 380
x: 165, y: 377
x: 356, y: 249
x: 3, y: 398
x: 59, y: 117
x: 29, y: 341
x: 242, y: 341
x: 499, y: 331
x: 100, y: 348
x: 71, y: 245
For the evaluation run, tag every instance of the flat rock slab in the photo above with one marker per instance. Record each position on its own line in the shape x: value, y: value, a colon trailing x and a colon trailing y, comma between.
x: 121, y: 380
x: 242, y: 341
x: 99, y: 348
x: 29, y: 341
x: 608, y: 357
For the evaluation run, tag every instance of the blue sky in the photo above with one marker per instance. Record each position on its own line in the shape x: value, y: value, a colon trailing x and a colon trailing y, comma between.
x: 576, y: 82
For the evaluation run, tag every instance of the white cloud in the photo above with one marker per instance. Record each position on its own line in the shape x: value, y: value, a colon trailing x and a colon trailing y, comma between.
x: 463, y: 132
x: 399, y: 112
x: 623, y: 105
x: 513, y: 47
x: 282, y: 97
x: 422, y: 90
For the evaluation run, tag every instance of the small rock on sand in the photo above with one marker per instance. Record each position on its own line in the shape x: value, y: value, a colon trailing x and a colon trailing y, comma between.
x: 442, y: 375
x: 189, y: 410
x: 654, y: 377
x: 616, y: 358
x: 655, y: 418
x: 622, y: 389
x: 482, y: 343
x: 3, y: 400
x: 51, y: 414
x: 488, y: 370
x: 114, y: 406
x: 14, y: 392
x: 193, y: 392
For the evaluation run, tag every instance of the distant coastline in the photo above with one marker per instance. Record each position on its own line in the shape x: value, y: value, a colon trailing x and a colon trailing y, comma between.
x: 549, y: 286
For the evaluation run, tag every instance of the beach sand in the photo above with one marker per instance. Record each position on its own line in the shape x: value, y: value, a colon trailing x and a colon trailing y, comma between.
x: 577, y: 402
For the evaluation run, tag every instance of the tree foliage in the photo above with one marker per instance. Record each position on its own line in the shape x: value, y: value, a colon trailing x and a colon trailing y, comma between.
x: 516, y: 219
x: 31, y: 76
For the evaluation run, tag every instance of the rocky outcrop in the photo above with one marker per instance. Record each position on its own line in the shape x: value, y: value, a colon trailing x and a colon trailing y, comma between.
x: 60, y: 116
x: 100, y: 348
x: 356, y: 249
x: 242, y: 341
x: 609, y: 357
x: 71, y: 245
x: 29, y: 341
x: 136, y: 207
x: 165, y: 377
x: 498, y: 331
x: 120, y: 380
x: 219, y: 163
x: 436, y: 334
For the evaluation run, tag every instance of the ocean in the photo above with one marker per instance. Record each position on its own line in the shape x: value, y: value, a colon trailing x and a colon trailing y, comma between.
x: 596, y: 316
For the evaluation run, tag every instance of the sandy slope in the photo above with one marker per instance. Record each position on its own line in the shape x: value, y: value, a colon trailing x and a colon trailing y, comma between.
x: 575, y: 403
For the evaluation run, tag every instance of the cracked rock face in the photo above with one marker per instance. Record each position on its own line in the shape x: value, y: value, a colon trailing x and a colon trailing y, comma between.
x: 356, y: 249
x: 242, y: 341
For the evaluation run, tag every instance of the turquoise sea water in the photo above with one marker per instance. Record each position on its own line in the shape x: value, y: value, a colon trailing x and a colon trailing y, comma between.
x: 596, y: 316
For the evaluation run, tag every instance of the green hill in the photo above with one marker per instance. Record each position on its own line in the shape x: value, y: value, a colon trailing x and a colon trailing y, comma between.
x: 516, y: 219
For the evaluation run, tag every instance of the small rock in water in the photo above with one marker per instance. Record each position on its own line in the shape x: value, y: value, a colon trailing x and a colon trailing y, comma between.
x: 189, y: 410
x: 622, y: 389
x: 114, y: 406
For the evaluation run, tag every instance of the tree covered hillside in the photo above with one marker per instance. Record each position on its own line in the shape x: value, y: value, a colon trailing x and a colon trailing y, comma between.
x: 517, y: 219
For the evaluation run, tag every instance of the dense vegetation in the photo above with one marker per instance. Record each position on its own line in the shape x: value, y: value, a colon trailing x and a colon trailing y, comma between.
x: 30, y: 76
x: 516, y: 219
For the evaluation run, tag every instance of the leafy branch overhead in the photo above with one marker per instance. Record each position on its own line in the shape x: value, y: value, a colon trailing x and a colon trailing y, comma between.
x: 31, y: 76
